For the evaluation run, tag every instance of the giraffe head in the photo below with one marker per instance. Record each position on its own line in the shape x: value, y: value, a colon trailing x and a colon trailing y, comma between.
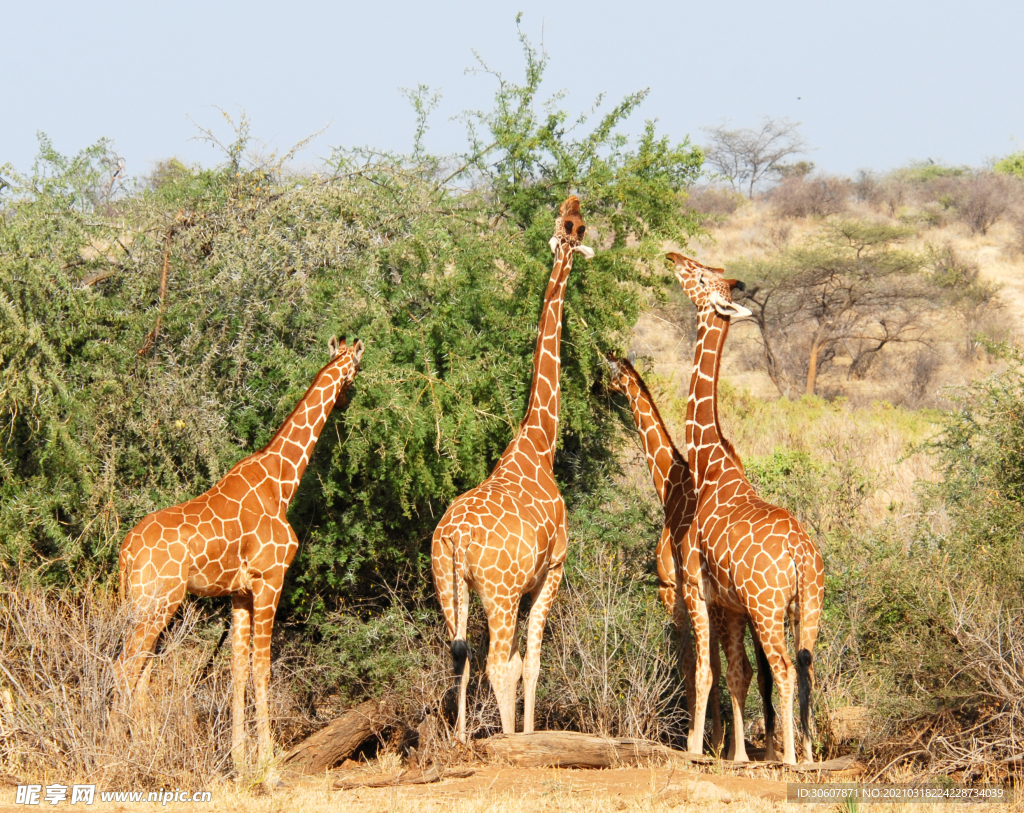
x: 620, y: 373
x: 569, y: 229
x: 346, y: 355
x: 707, y: 287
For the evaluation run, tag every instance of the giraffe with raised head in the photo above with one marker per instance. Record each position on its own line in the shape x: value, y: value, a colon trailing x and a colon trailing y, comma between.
x: 507, y: 537
x: 231, y: 540
x: 757, y: 559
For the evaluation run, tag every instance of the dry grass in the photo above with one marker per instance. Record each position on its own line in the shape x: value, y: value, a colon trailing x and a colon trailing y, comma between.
x: 58, y: 649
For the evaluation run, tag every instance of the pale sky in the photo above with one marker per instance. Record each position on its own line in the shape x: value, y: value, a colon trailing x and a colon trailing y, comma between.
x: 875, y: 84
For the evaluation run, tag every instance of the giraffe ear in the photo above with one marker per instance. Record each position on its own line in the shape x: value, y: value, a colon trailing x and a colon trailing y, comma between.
x: 675, y: 259
x: 725, y: 307
x: 553, y: 242
x: 357, y: 351
x: 585, y: 251
x: 332, y: 346
x: 631, y: 357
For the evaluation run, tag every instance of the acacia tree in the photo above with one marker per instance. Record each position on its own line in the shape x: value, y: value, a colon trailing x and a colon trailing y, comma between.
x: 749, y: 155
x: 849, y: 291
x: 444, y: 286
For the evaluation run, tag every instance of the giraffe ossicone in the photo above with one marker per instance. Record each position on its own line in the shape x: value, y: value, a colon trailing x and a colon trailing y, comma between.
x: 758, y: 561
x: 234, y: 540
x: 507, y: 537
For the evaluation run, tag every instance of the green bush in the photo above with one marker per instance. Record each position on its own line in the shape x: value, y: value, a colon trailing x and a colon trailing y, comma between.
x: 104, y: 418
x: 1011, y: 165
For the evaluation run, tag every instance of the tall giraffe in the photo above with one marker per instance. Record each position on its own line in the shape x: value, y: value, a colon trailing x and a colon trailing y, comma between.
x: 232, y: 540
x: 759, y: 561
x: 507, y: 536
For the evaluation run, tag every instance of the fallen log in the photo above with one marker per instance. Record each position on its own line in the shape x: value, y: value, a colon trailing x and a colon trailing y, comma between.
x: 334, y: 742
x: 414, y: 777
x: 570, y: 749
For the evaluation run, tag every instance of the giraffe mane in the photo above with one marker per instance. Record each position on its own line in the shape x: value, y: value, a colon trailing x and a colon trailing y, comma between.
x: 286, y: 423
x: 655, y: 412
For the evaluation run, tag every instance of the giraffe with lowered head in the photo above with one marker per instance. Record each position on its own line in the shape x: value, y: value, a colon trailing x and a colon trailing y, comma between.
x: 674, y: 486
x: 757, y: 559
x: 507, y: 537
x: 232, y: 540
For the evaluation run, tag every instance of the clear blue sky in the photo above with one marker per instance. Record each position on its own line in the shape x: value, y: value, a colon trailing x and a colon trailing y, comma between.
x: 875, y: 84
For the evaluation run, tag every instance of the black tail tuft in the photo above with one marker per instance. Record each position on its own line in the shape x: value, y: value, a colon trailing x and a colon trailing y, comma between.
x: 460, y: 652
x: 803, y: 676
x: 765, y: 681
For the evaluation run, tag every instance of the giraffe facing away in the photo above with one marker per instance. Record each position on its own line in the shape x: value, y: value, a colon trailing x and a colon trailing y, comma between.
x: 758, y: 560
x: 674, y: 486
x: 507, y: 537
x: 231, y: 540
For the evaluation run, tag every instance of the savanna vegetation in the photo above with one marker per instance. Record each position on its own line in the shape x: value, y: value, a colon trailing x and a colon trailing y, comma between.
x: 154, y: 331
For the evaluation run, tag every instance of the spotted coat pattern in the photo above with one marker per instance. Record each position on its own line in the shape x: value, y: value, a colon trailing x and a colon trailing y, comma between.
x: 232, y: 540
x: 757, y: 560
x: 507, y: 537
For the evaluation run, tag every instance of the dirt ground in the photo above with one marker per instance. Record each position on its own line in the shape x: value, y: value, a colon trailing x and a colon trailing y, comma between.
x: 498, y: 789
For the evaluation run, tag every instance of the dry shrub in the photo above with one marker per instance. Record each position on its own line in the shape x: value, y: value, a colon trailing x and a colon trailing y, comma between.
x: 1016, y: 220
x: 608, y: 664
x: 818, y: 196
x: 713, y: 203
x: 977, y: 200
x: 889, y: 194
x: 59, y: 649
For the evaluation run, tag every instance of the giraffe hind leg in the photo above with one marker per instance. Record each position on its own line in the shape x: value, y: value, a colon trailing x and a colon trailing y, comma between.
x: 764, y: 685
x: 543, y: 598
x: 136, y: 661
x: 241, y: 629
x: 501, y: 621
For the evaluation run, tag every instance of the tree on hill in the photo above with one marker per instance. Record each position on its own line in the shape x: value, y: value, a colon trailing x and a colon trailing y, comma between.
x: 850, y: 291
x: 750, y: 155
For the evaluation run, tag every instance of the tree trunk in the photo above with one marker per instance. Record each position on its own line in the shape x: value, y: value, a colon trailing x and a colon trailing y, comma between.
x: 335, y: 742
x: 812, y: 367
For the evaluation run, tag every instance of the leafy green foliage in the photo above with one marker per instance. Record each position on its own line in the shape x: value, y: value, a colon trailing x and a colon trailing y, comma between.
x: 106, y: 417
x: 1011, y: 165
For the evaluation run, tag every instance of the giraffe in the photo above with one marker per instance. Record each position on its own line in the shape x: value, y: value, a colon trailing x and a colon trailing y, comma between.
x: 674, y: 485
x: 232, y: 540
x: 758, y: 560
x: 507, y: 537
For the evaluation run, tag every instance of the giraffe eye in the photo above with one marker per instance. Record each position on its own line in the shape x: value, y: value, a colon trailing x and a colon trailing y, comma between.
x: 568, y: 227
x: 581, y: 230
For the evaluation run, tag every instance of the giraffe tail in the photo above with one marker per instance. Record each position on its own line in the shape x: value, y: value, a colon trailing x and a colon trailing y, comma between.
x: 459, y: 646
x: 803, y: 677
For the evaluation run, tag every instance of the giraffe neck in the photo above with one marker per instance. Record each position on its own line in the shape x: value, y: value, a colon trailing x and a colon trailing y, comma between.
x: 293, y: 444
x: 707, y: 450
x: 662, y: 455
x: 540, y: 425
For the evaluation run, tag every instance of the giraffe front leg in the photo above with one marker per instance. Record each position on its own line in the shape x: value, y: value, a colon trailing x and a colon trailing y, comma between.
x: 265, y: 599
x: 543, y: 598
x: 241, y: 627
x: 698, y: 612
